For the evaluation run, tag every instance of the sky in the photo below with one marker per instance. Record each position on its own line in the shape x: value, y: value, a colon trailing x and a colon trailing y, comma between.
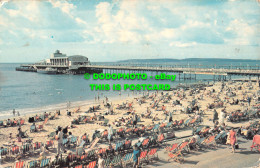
x: 129, y: 29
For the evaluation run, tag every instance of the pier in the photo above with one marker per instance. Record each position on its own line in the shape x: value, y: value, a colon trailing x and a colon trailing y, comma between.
x: 185, y: 72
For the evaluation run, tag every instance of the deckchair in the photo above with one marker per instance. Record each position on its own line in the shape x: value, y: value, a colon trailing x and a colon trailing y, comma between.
x: 127, y: 159
x: 127, y: 145
x: 129, y: 131
x: 84, y: 157
x: 92, y: 164
x: 4, y: 152
x: 184, y: 145
x: 119, y: 146
x: 52, y: 135
x: 32, y: 164
x: 210, y: 141
x: 199, y: 143
x: 143, y: 157
x: 33, y: 128
x: 107, y: 162
x: 73, y: 140
x: 19, y: 164
x: 72, y: 157
x: 64, y: 141
x: 171, y: 148
x: 102, y: 151
x: 79, y: 166
x: 116, y: 160
x: 50, y: 143
x: 26, y: 148
x: 105, y: 122
x: 145, y: 143
x: 21, y: 122
x: 36, y: 145
x: 186, y: 123
x: 152, y: 154
x: 160, y: 138
x: 14, y: 151
x: 44, y: 162
x: 91, y: 154
x: 156, y: 127
x: 177, y: 157
x: 256, y: 143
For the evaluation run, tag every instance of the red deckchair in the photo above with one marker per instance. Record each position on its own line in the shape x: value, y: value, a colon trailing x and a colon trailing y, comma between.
x: 256, y: 143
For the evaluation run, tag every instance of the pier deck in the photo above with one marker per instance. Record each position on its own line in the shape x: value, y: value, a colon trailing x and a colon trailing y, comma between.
x: 224, y: 71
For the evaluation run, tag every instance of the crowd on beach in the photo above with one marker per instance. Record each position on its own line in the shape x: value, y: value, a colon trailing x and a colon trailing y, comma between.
x: 114, y: 134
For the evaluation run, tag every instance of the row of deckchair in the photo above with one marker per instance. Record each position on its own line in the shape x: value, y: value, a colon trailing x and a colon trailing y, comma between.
x: 146, y: 156
x: 31, y: 164
x: 12, y: 123
x: 164, y: 127
x: 176, y: 151
x: 9, y: 153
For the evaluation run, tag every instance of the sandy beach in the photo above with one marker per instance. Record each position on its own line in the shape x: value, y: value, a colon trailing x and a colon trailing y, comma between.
x: 204, y: 97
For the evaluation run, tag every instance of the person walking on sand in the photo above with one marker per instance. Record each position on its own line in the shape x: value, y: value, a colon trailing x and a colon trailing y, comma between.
x: 215, y: 116
x: 14, y: 112
x: 249, y: 100
x: 101, y: 161
x: 233, y: 139
x: 110, y: 133
x: 221, y: 117
x: 136, y: 157
x: 59, y: 138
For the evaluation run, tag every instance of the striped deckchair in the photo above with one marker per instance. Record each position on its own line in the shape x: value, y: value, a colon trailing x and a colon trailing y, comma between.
x: 52, y: 135
x: 177, y: 157
x: 186, y: 123
x: 84, y: 157
x: 45, y: 162
x: 116, y: 160
x: 91, y: 154
x: 73, y: 140
x: 102, y: 151
x: 145, y: 143
x: 169, y: 124
x: 72, y: 157
x: 15, y: 150
x: 171, y: 148
x: 156, y: 127
x: 199, y: 143
x: 143, y: 157
x: 32, y: 164
x: 19, y: 164
x: 92, y: 164
x: 151, y: 154
x: 107, y: 162
x: 3, y: 151
x: 127, y: 159
x: 50, y: 143
x: 119, y: 146
x: 184, y: 145
x: 26, y: 148
x: 160, y: 138
x: 37, y: 145
x: 64, y: 141
x: 210, y: 141
x: 79, y: 166
x: 21, y: 122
